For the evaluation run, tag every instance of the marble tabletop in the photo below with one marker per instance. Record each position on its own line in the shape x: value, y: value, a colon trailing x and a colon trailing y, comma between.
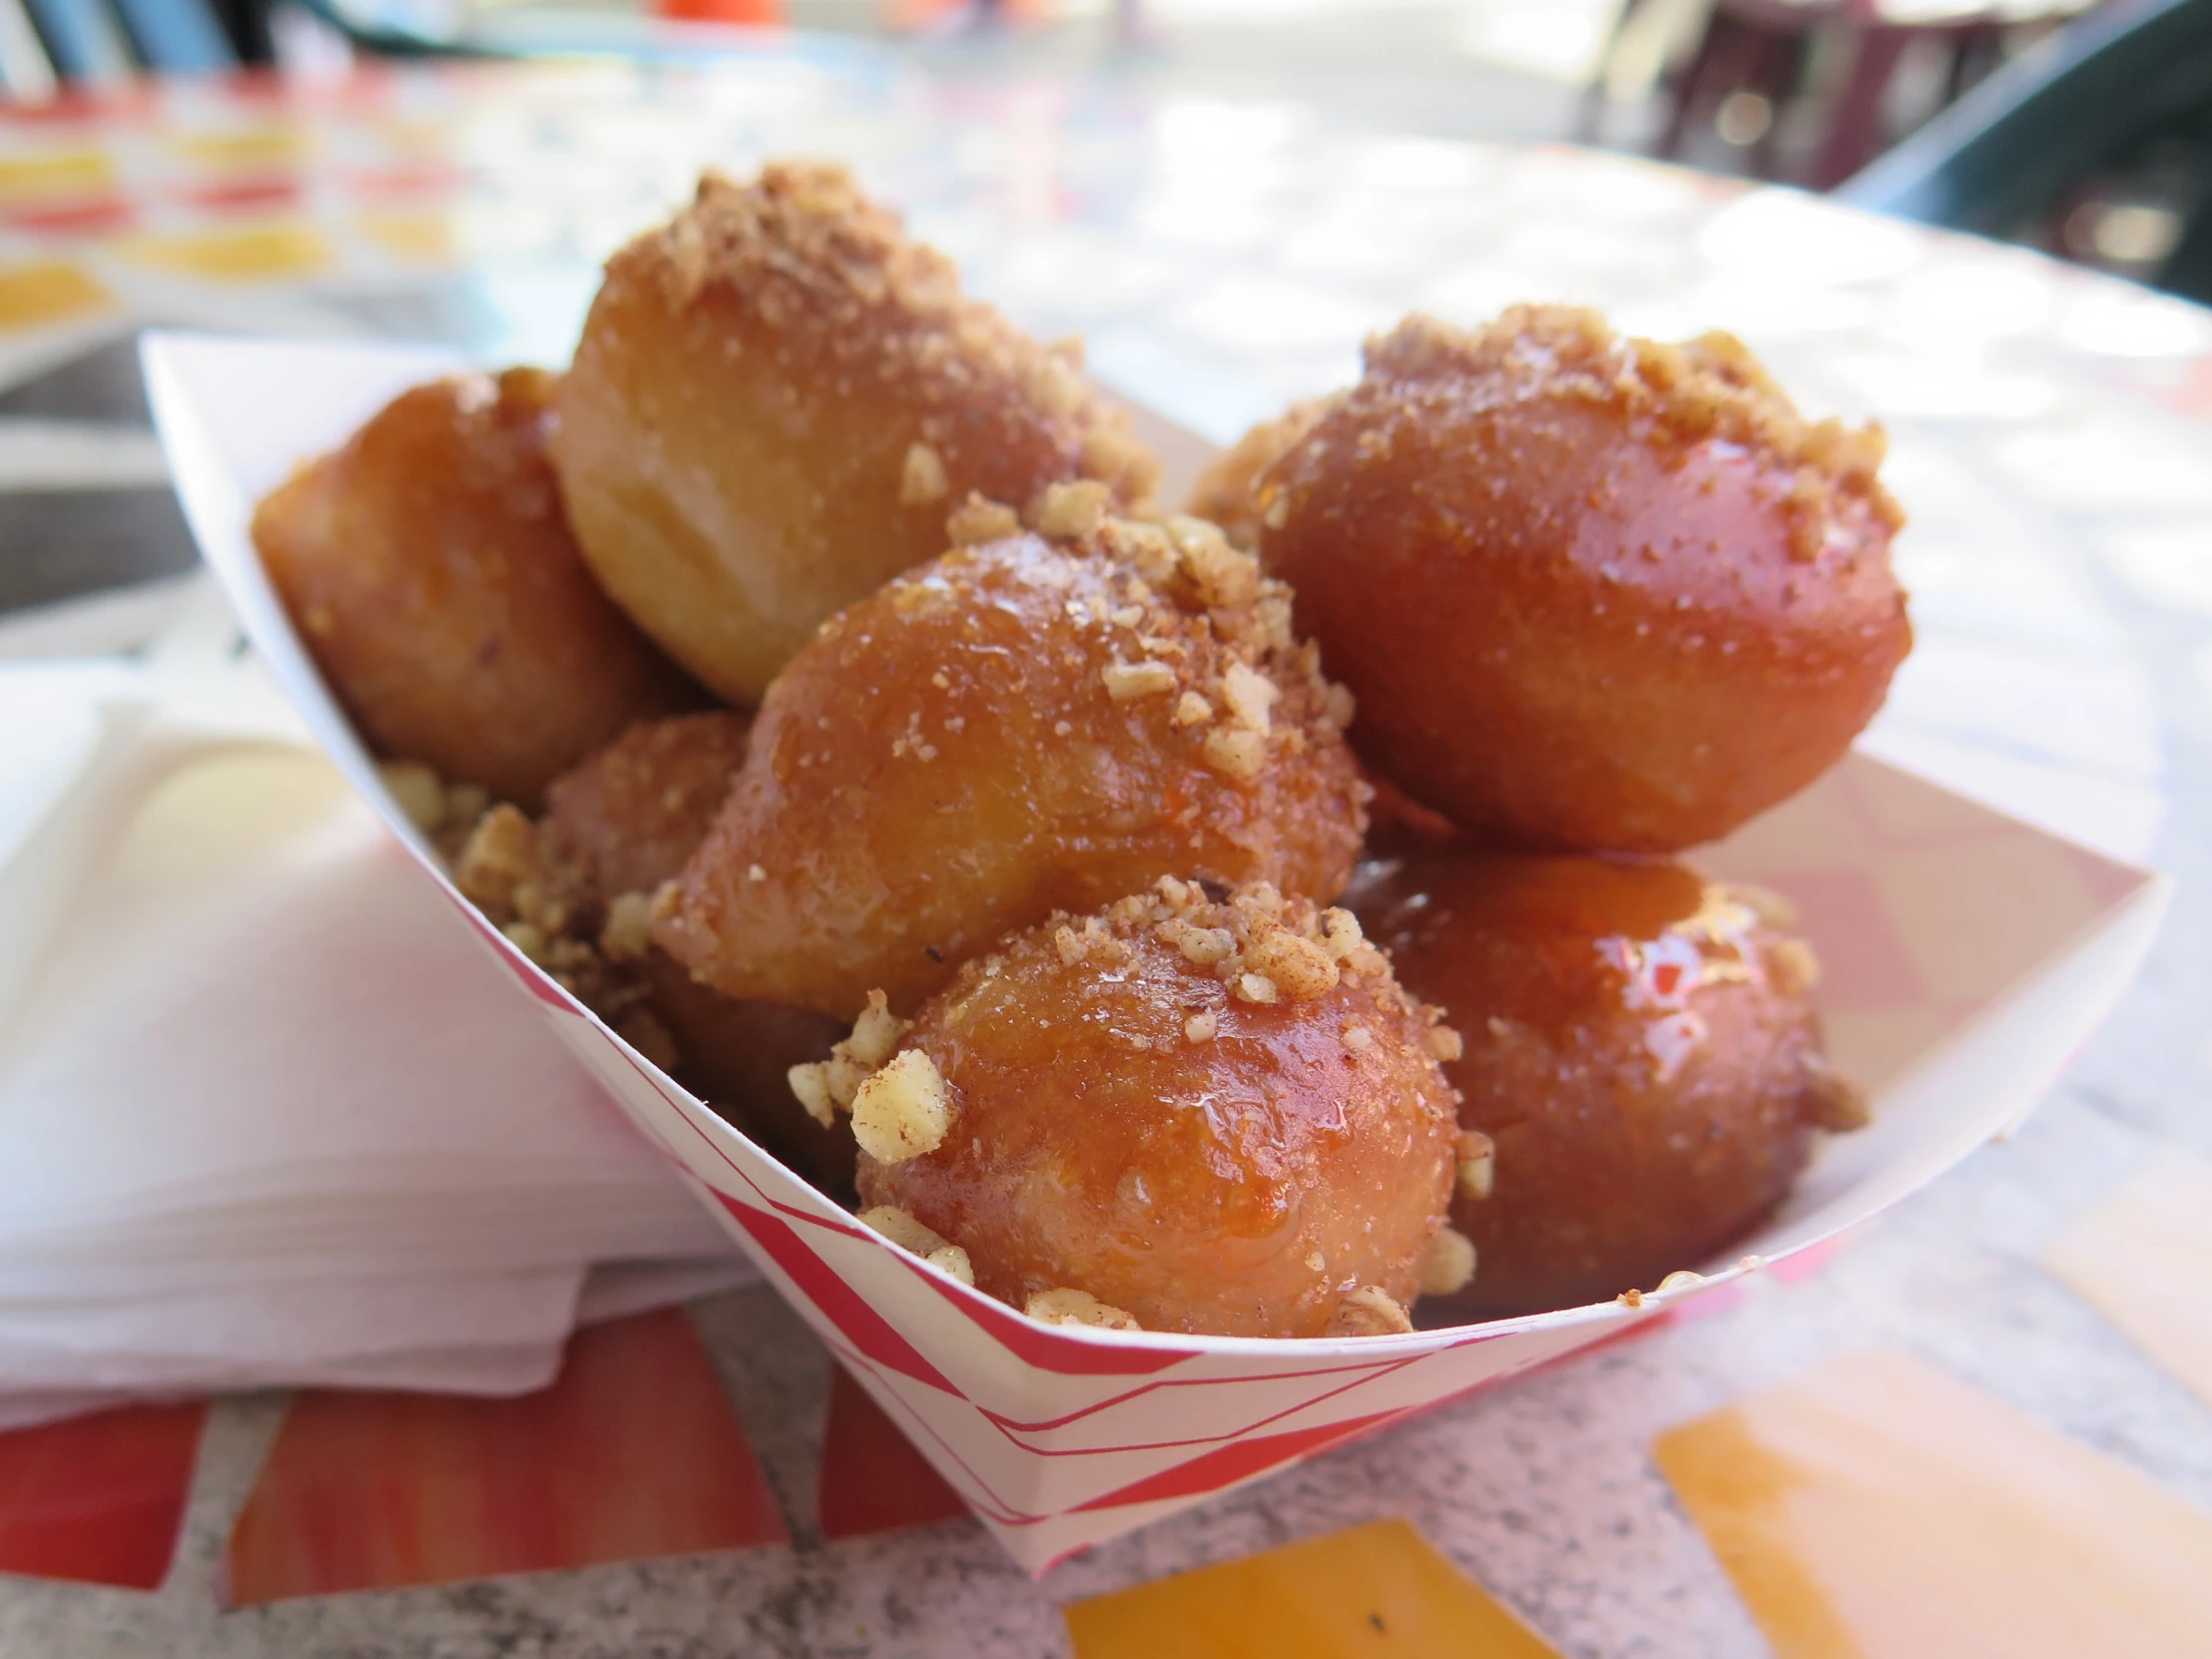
x: 2052, y: 440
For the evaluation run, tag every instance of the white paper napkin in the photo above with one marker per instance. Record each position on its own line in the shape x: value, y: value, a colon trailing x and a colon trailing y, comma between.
x: 267, y: 1114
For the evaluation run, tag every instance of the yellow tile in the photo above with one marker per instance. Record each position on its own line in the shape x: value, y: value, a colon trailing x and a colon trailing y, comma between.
x: 1877, y: 1508
x: 1379, y: 1590
x: 57, y: 173
x: 426, y: 238
x: 254, y: 148
x: 239, y: 255
x: 2143, y: 1256
x: 32, y: 295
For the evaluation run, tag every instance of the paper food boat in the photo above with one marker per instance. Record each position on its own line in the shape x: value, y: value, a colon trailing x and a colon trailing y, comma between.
x: 1966, y: 958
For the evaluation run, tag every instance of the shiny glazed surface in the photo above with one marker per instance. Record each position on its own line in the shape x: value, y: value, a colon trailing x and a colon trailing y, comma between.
x: 1639, y: 1046
x: 739, y: 432
x: 1242, y: 1181
x: 946, y: 761
x: 429, y: 571
x: 1592, y: 593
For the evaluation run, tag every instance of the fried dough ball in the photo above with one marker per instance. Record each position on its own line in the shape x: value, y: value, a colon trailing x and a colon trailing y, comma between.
x: 1227, y: 492
x: 1642, y: 1071
x: 1215, y: 1118
x: 1591, y: 592
x: 1021, y: 725
x: 431, y: 575
x: 776, y: 399
x: 629, y: 817
x: 625, y: 822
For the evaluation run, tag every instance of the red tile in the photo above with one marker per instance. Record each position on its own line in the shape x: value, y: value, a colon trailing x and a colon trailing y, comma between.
x: 92, y: 215
x: 99, y: 1499
x: 270, y: 192
x: 872, y: 1480
x: 634, y: 1452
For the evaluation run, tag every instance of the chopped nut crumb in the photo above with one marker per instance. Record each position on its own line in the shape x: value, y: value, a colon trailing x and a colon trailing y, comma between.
x: 1478, y: 1162
x: 1066, y: 1307
x: 1070, y: 512
x: 1358, y: 1038
x: 1338, y: 706
x: 1795, y: 968
x: 1254, y: 987
x: 875, y: 1034
x: 1449, y: 1263
x: 628, y: 931
x: 417, y: 791
x: 754, y: 873
x: 1070, y: 946
x: 501, y: 854
x: 1201, y: 1028
x: 922, y: 477
x: 810, y: 1085
x: 1250, y: 695
x: 976, y: 521
x: 1193, y: 710
x: 1225, y: 579
x: 1125, y: 681
x: 1315, y: 1262
x: 1300, y: 969
x: 1237, y: 752
x: 1340, y: 933
x: 903, y: 1111
x: 902, y: 1227
x: 1367, y: 1311
x: 1835, y: 1102
x: 1445, y: 1044
x: 1203, y: 945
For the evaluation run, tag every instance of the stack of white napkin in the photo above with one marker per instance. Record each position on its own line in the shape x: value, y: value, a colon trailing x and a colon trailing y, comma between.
x: 267, y: 1114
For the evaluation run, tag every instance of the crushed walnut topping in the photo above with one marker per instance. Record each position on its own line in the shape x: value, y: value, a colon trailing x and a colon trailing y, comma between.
x: 418, y: 790
x: 1477, y: 1164
x: 905, y: 1231
x: 1069, y: 1306
x: 1449, y: 1263
x: 1236, y: 752
x: 922, y: 477
x: 1833, y: 1102
x: 507, y: 870
x: 1250, y: 695
x: 1127, y: 681
x: 1367, y: 1311
x: 813, y: 258
x: 825, y: 1087
x: 1708, y: 388
x: 902, y: 1110
x: 1793, y: 966
x: 626, y: 934
x: 976, y: 521
x: 1070, y: 512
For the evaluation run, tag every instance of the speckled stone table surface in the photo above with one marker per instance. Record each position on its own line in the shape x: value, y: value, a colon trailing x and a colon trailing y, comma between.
x: 2052, y: 440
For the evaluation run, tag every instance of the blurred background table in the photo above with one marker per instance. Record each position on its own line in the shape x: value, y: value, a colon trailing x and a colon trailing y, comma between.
x: 1222, y: 254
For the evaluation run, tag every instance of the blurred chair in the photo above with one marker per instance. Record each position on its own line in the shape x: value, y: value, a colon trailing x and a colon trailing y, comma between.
x: 1759, y: 58
x: 94, y: 41
x: 2098, y: 144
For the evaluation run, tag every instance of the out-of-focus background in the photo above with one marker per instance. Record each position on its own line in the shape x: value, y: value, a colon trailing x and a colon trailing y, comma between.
x: 1809, y: 92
